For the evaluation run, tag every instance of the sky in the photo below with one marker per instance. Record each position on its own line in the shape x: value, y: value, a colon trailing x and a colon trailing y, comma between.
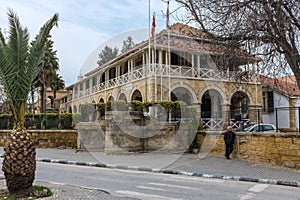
x: 86, y: 26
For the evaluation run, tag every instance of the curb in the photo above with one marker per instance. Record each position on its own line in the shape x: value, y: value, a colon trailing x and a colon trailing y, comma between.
x: 174, y: 172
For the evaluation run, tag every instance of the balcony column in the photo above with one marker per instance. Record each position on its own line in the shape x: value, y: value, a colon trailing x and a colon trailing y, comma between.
x: 198, y: 65
x: 106, y: 75
x: 132, y: 65
x: 118, y: 71
x: 193, y: 65
x: 147, y: 57
x: 143, y: 59
x: 129, y: 66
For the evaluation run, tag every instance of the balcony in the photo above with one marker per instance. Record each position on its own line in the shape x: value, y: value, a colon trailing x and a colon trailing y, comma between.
x: 170, y: 71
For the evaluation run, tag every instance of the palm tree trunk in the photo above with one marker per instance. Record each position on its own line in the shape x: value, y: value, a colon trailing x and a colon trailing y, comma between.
x: 44, y: 106
x: 54, y: 99
x: 19, y: 164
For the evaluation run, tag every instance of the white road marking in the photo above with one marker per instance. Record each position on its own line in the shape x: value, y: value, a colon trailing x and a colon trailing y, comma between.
x: 258, y: 188
x: 144, y: 196
x: 187, y: 178
x: 150, y: 188
x: 174, y: 186
x: 247, y: 196
x: 254, y: 189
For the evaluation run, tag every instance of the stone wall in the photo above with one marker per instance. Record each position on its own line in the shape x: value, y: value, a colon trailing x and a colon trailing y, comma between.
x: 134, y: 133
x: 48, y: 138
x: 282, y: 149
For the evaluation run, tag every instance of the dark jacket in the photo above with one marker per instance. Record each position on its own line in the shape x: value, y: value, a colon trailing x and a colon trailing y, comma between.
x: 229, y: 137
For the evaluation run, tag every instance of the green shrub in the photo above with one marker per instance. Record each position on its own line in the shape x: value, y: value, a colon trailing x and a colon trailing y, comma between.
x: 137, y: 105
x: 38, y: 118
x: 119, y: 105
x: 52, y: 121
x: 65, y: 121
x: 76, y: 118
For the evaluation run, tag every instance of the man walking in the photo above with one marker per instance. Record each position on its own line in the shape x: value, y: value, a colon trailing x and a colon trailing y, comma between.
x: 229, y: 137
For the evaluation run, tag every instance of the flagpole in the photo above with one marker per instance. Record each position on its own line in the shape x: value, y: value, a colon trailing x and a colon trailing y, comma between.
x: 154, y: 63
x: 149, y: 53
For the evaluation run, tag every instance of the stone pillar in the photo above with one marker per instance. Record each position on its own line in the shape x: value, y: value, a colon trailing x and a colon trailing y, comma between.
x: 226, y: 115
x: 292, y: 113
x: 90, y: 136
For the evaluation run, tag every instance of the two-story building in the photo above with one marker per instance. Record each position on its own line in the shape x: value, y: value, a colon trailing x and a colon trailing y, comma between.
x: 179, y: 63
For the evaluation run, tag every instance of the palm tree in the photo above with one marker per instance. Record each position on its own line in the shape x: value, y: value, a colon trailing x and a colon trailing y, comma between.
x: 19, y: 65
x: 49, y: 66
x: 56, y: 83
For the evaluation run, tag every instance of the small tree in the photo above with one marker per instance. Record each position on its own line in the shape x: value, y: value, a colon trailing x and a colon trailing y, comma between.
x: 107, y: 54
x: 127, y: 44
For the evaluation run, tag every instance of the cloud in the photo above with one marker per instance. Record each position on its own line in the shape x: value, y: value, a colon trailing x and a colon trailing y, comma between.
x: 84, y: 25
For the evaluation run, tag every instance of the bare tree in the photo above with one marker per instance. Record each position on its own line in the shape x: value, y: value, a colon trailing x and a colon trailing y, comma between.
x: 268, y: 28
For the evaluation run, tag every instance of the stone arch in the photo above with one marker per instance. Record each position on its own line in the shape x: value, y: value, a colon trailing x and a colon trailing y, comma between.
x: 182, y: 94
x: 110, y: 98
x: 122, y: 96
x: 251, y: 97
x: 51, y: 101
x: 70, y: 109
x: 211, y: 104
x: 75, y: 109
x: 184, y: 87
x: 137, y: 95
x: 239, y: 103
x: 101, y: 100
x: 213, y: 88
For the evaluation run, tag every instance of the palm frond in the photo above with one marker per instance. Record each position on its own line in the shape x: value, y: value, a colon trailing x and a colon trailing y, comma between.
x: 37, y: 49
x: 19, y: 62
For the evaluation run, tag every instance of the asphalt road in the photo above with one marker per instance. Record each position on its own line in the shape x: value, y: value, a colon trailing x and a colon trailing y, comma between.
x: 145, y: 185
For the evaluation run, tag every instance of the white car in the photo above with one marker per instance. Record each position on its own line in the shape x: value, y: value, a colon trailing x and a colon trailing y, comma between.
x: 261, y: 128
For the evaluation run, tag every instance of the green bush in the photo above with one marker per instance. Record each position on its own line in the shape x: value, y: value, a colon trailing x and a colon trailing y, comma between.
x: 137, y: 105
x: 119, y: 105
x: 38, y: 118
x: 65, y: 121
x: 76, y: 118
x: 52, y: 121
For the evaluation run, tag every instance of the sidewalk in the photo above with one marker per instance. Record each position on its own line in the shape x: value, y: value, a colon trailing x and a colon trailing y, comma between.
x: 185, y: 164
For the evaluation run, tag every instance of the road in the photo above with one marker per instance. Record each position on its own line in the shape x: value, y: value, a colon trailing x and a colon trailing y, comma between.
x: 145, y: 185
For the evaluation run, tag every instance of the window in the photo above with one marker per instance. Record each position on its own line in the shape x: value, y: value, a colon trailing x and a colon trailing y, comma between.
x: 268, y: 101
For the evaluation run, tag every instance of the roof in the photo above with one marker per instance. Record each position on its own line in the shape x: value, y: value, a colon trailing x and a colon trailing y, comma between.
x: 188, y: 38
x: 285, y: 84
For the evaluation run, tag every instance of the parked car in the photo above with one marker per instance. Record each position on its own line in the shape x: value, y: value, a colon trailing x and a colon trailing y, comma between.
x: 261, y: 128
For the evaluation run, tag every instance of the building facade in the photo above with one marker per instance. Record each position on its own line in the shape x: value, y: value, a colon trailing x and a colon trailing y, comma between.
x: 180, y: 63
